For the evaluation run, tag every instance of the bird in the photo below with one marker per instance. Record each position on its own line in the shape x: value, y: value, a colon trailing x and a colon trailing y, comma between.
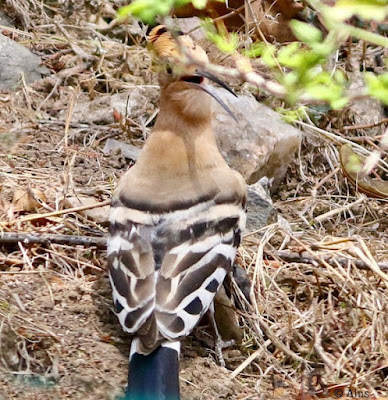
x: 176, y: 220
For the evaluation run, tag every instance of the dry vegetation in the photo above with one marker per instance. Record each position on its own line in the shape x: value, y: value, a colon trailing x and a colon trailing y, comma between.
x: 319, y: 314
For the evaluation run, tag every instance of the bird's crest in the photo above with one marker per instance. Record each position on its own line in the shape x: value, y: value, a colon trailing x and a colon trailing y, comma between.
x: 169, y: 48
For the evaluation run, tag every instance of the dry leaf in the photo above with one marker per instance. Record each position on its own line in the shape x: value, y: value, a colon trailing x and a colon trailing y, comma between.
x: 25, y: 200
x: 352, y: 168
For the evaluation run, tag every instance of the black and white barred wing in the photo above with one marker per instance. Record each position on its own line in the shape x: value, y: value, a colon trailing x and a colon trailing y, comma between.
x: 199, y: 252
x: 165, y: 270
x: 131, y: 267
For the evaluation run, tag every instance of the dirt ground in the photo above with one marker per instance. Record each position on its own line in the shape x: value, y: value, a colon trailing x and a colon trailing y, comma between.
x: 73, y: 347
x: 317, y: 325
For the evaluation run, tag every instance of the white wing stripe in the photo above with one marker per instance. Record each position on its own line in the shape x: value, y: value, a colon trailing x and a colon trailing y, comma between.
x: 117, y: 243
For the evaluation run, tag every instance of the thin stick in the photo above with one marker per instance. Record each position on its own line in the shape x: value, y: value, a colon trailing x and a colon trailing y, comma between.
x: 59, y: 212
x: 35, y: 238
x: 290, y: 256
x: 365, y: 126
x: 245, y: 363
x: 69, y: 115
x: 369, y: 260
x: 339, y: 210
x: 101, y: 242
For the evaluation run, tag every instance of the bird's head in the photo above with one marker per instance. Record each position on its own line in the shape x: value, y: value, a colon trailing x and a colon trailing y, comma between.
x: 186, y: 87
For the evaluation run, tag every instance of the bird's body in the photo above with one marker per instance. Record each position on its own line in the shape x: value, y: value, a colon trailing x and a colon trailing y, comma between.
x: 175, y: 225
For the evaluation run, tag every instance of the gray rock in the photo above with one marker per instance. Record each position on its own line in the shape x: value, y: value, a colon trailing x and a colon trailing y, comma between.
x: 192, y: 26
x: 260, y: 210
x: 16, y: 60
x: 260, y: 143
x: 127, y: 150
x: 100, y: 110
x: 4, y: 20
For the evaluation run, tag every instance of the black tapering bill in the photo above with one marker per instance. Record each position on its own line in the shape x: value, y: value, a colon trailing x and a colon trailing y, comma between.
x: 214, y: 79
x: 210, y: 90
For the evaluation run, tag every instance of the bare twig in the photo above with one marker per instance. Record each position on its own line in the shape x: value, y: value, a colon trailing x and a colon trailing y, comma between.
x: 35, y: 238
x: 365, y: 126
x: 291, y: 256
x: 339, y: 210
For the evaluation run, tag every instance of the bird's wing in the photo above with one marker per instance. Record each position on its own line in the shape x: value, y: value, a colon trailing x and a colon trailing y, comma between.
x: 166, y: 268
x: 198, y: 252
x: 131, y: 267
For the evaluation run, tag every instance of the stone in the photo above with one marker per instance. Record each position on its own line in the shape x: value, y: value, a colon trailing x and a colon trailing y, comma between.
x: 4, y: 20
x: 100, y: 110
x: 260, y: 143
x: 127, y: 150
x: 192, y: 26
x: 16, y: 60
x: 260, y: 210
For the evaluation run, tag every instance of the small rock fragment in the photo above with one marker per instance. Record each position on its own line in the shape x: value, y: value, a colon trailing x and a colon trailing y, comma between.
x: 259, y: 206
x: 193, y: 27
x: 127, y: 150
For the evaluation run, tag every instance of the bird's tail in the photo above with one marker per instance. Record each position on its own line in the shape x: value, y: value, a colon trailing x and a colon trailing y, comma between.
x: 154, y: 376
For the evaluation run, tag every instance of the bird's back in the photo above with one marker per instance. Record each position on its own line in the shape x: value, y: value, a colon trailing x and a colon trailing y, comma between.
x: 167, y: 261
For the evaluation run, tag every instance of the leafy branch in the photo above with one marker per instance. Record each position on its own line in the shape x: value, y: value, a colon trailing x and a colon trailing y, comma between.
x: 304, y: 76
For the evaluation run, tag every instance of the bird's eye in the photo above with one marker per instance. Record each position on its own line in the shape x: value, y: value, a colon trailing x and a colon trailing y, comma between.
x: 193, y: 79
x: 169, y: 69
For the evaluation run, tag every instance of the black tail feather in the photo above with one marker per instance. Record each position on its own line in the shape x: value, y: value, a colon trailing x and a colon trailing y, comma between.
x: 154, y: 376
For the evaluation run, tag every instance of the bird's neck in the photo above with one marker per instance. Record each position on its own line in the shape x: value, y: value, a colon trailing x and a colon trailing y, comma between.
x: 181, y: 112
x: 176, y: 144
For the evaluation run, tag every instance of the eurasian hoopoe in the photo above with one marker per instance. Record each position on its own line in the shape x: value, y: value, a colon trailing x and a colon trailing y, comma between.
x: 175, y: 225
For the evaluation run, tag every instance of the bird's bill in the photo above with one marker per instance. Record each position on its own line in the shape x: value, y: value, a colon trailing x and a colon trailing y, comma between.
x: 196, y: 81
x: 210, y: 90
x: 213, y: 78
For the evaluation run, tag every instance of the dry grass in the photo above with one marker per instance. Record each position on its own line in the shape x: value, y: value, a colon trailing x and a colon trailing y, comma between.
x: 317, y: 323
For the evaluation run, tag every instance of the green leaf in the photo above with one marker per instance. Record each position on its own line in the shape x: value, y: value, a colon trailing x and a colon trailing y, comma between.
x: 339, y: 103
x: 321, y: 92
x: 322, y: 49
x: 365, y: 9
x: 324, y: 87
x: 378, y: 86
x: 200, y: 4
x: 227, y: 44
x: 255, y: 50
x: 340, y: 76
x: 290, y: 79
x: 288, y: 55
x: 292, y: 115
x: 146, y: 10
x: 306, y: 33
x: 268, y: 56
